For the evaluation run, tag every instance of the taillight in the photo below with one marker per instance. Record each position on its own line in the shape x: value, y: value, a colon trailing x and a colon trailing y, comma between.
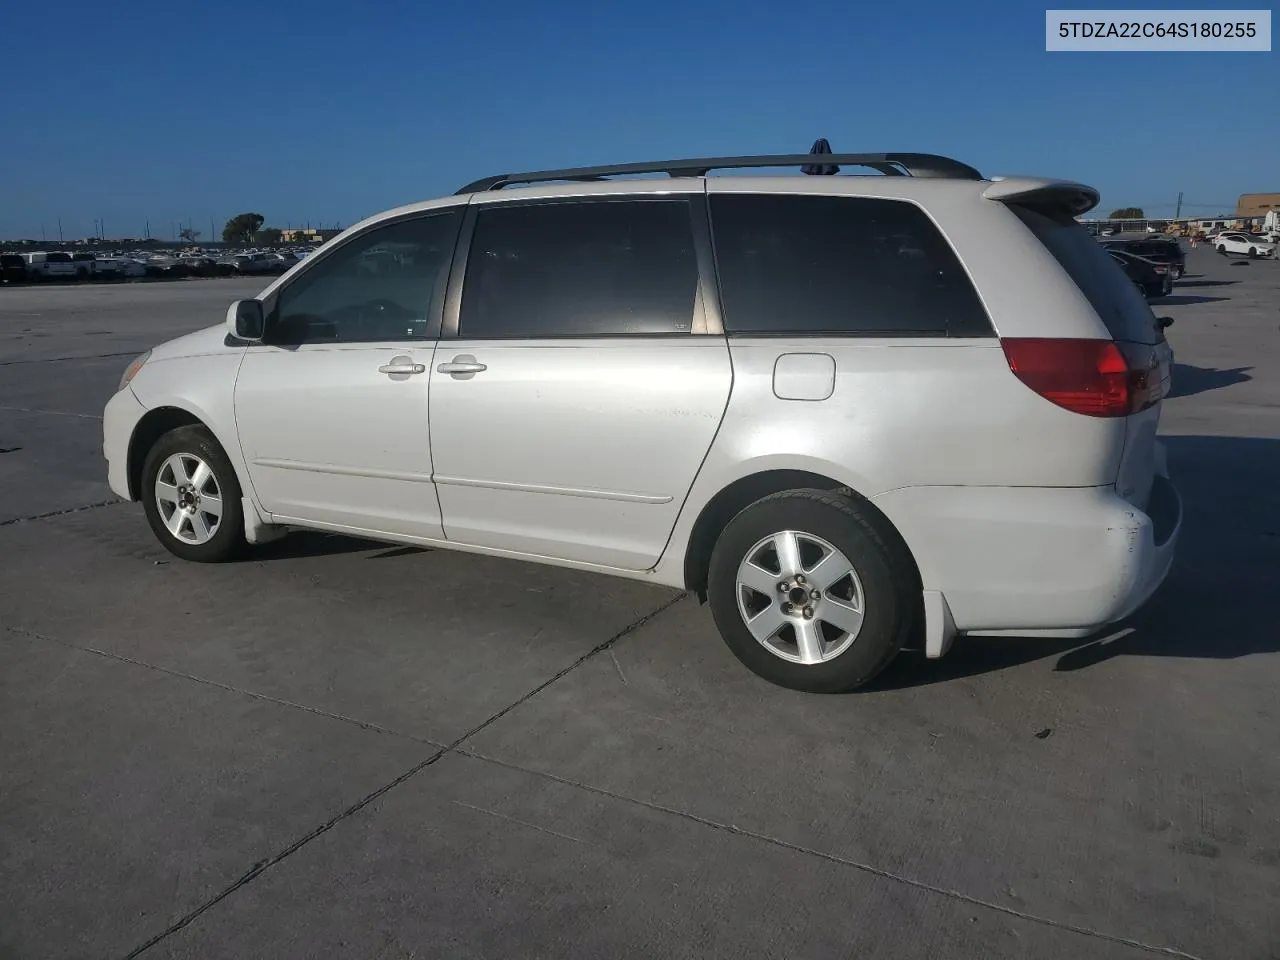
x: 1098, y: 378
x: 1162, y: 269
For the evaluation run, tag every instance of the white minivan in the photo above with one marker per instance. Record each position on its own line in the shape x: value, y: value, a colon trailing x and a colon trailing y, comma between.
x: 851, y: 413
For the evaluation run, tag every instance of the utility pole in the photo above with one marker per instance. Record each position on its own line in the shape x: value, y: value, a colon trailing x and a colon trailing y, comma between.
x: 146, y: 231
x: 213, y: 236
x: 60, y: 230
x: 1178, y: 211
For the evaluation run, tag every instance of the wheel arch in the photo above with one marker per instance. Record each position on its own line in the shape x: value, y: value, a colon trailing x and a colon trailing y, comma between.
x: 744, y: 491
x: 153, y: 425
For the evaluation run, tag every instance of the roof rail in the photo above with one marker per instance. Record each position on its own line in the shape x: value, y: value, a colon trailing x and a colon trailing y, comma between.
x: 890, y: 164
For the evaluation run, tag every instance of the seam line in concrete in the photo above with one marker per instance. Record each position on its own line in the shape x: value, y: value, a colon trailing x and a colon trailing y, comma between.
x: 52, y: 413
x: 96, y: 356
x: 842, y: 861
x: 279, y: 701
x: 60, y: 513
x: 263, y: 865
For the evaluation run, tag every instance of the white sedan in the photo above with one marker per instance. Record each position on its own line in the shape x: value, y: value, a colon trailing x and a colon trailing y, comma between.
x: 1244, y: 244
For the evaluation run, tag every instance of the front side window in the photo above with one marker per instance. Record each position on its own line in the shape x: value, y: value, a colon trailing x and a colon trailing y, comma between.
x: 838, y: 266
x: 597, y: 268
x: 380, y: 286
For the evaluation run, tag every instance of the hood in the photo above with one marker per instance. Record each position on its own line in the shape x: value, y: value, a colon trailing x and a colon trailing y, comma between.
x: 210, y: 340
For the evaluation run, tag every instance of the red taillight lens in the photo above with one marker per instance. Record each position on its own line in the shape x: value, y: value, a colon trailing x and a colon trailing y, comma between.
x: 1098, y: 378
x: 1162, y: 269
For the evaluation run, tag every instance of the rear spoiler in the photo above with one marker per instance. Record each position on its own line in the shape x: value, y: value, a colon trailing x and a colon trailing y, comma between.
x: 1065, y: 195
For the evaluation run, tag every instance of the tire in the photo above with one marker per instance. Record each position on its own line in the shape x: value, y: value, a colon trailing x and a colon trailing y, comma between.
x: 185, y: 448
x: 1253, y: 253
x: 815, y: 522
x: 1222, y: 251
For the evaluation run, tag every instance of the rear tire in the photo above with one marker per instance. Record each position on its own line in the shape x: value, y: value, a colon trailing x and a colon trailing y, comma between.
x: 1222, y: 251
x: 191, y: 496
x: 773, y: 567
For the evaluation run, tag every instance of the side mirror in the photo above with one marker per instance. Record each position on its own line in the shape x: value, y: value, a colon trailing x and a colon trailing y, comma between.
x: 245, y: 320
x: 1164, y: 323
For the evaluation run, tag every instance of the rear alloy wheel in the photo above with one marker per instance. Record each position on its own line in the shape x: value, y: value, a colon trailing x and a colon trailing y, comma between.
x: 803, y: 591
x: 192, y: 497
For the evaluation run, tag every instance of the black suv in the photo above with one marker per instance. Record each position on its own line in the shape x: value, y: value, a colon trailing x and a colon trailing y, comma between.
x: 1160, y: 249
x: 13, y: 268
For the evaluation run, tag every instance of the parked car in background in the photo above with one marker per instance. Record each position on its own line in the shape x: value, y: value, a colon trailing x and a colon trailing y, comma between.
x: 13, y: 268
x: 50, y: 266
x: 1153, y: 279
x: 1160, y: 249
x: 701, y: 382
x: 84, y: 263
x: 1244, y: 244
x: 108, y: 268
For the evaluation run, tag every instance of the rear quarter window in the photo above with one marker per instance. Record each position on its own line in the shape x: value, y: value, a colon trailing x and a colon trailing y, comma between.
x: 1114, y: 298
x: 838, y: 266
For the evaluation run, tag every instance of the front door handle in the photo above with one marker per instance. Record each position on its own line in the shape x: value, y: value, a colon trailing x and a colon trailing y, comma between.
x: 402, y: 367
x: 463, y: 367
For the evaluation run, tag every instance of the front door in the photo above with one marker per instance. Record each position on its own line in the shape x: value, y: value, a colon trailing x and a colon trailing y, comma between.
x: 332, y: 409
x: 571, y: 413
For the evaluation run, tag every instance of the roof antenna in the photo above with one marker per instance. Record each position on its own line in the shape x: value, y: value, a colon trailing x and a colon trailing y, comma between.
x: 819, y: 148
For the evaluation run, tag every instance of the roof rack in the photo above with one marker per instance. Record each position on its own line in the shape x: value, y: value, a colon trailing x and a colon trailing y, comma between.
x: 890, y: 164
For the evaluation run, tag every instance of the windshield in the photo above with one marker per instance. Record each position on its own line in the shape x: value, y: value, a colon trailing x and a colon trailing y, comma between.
x: 1100, y: 278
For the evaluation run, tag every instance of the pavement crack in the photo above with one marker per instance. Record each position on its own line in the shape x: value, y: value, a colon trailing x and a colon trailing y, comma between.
x: 523, y: 823
x: 263, y: 865
x: 280, y: 701
x: 60, y: 513
x: 96, y: 356
x: 51, y: 413
x: 837, y: 859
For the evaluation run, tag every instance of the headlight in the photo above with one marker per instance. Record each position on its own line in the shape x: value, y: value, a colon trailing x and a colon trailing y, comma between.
x: 131, y: 371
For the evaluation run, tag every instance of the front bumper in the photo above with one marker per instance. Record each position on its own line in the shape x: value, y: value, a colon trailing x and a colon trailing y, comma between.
x: 121, y: 416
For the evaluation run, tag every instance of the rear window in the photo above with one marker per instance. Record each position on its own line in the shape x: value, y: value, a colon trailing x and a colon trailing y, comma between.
x: 58, y: 258
x: 1112, y: 295
x: 838, y: 266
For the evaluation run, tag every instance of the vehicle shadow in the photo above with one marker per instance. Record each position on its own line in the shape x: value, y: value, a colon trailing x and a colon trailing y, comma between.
x: 1218, y: 601
x: 298, y: 544
x: 1203, y: 283
x: 1186, y: 300
x: 1188, y: 380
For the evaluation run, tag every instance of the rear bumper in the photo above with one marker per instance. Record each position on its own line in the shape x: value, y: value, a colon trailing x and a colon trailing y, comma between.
x: 1037, y: 561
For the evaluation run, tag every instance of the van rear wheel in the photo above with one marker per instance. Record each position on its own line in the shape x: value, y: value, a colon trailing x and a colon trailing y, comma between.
x: 803, y: 590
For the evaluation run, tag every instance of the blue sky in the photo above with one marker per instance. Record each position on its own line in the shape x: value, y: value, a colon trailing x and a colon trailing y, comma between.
x: 329, y: 111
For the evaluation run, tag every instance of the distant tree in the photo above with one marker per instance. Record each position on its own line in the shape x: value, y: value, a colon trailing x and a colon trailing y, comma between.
x: 187, y: 235
x: 1127, y: 213
x: 242, y: 227
x: 268, y: 237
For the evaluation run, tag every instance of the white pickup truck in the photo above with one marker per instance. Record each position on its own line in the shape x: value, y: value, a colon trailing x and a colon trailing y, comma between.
x: 50, y: 266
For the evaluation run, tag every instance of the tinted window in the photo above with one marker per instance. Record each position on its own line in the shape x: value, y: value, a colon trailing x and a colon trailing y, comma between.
x: 582, y: 269
x: 58, y: 258
x: 1111, y: 293
x: 838, y: 265
x: 380, y: 286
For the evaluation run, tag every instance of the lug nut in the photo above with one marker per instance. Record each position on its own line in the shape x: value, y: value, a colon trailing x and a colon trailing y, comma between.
x: 808, y: 613
x: 814, y: 595
x: 786, y: 608
x: 800, y: 579
x: 783, y: 587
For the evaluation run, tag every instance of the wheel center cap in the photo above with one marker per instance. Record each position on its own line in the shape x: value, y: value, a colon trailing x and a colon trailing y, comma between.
x: 797, y: 595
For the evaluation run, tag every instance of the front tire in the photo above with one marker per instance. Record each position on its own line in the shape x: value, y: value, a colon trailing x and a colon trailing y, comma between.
x: 192, y: 496
x: 1222, y: 251
x: 804, y: 592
